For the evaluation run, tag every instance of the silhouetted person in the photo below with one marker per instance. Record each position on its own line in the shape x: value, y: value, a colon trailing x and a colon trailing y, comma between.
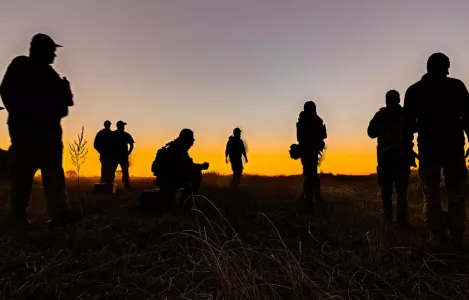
x: 310, y: 132
x: 235, y: 151
x: 393, y: 163
x: 103, y: 143
x: 37, y: 98
x: 123, y: 145
x: 438, y: 111
x: 174, y: 168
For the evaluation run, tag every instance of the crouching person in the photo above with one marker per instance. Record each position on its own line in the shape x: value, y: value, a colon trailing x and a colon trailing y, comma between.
x: 174, y: 169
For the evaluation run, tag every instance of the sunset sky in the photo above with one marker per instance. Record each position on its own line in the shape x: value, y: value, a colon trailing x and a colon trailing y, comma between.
x: 212, y: 65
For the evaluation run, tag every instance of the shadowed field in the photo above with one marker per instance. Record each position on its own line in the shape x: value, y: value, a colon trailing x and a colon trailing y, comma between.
x: 258, y: 243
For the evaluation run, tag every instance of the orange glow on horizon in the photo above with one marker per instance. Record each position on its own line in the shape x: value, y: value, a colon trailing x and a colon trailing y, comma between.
x: 271, y: 159
x: 260, y: 162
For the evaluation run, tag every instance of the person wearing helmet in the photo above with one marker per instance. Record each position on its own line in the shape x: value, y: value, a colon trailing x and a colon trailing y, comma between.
x: 310, y: 133
x: 174, y: 168
x: 103, y: 143
x: 235, y: 151
x: 393, y: 164
x: 37, y: 98
x: 437, y: 109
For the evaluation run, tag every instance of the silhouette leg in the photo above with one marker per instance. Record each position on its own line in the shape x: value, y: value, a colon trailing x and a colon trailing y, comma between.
x: 455, y: 173
x: 385, y: 180
x: 113, y: 164
x: 311, y: 188
x: 233, y: 178
x: 191, y: 187
x: 22, y: 169
x: 196, y: 181
x: 53, y: 178
x: 430, y: 170
x: 317, y: 188
x: 237, y: 167
x: 22, y: 177
x: 402, y: 183
x: 103, y: 169
x: 125, y: 173
x: 108, y: 168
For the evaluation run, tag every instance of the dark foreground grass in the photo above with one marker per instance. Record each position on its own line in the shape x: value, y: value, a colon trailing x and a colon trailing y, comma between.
x: 253, y: 243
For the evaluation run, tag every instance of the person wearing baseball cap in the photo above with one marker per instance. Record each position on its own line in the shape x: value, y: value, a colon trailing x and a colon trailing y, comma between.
x: 43, y: 41
x: 174, y: 168
x: 37, y: 98
x: 235, y: 151
x: 123, y: 146
x: 103, y: 144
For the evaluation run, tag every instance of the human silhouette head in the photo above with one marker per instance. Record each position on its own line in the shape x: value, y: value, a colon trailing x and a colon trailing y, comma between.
x: 237, y: 132
x: 309, y: 108
x: 121, y: 125
x: 438, y: 64
x: 42, y: 48
x: 392, y: 98
x: 186, y: 138
x: 107, y: 124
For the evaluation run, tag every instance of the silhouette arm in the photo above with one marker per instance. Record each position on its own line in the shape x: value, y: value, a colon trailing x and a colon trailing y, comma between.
x: 11, y: 89
x: 131, y: 143
x: 131, y: 148
x: 324, y: 132
x: 96, y: 143
x: 299, y: 132
x: 244, y: 151
x: 465, y: 109
x: 374, y: 126
x: 409, y: 119
x: 201, y: 167
x: 227, y: 150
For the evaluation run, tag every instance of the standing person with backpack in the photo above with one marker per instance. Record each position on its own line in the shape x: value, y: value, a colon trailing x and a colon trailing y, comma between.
x: 311, y: 133
x: 393, y: 163
x: 235, y: 151
x: 37, y: 98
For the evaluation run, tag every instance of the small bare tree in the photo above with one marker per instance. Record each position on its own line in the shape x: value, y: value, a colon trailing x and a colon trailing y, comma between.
x: 78, y: 151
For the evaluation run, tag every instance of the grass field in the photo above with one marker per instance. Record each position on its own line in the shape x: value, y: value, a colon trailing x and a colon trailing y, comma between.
x: 259, y: 243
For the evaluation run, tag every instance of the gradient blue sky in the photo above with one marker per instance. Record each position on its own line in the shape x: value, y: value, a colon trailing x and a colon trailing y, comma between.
x: 212, y: 65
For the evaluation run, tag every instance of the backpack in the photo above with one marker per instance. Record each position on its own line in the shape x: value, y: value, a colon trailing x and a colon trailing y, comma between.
x: 158, y: 166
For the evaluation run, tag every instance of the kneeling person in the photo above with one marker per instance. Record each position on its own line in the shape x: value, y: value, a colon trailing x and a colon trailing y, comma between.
x: 174, y: 168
